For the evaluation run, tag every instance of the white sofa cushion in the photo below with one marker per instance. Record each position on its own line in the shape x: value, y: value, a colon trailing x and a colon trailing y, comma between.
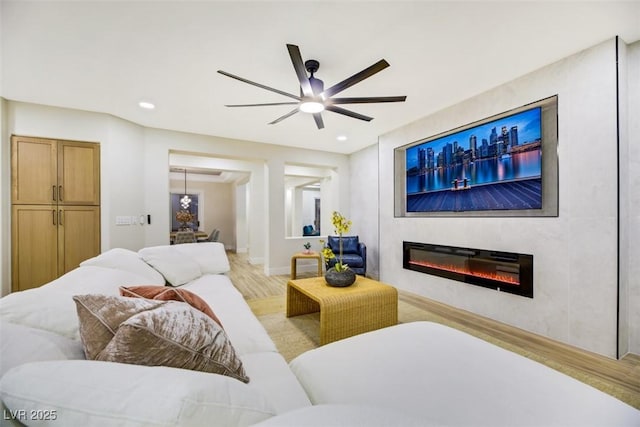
x: 124, y: 259
x: 270, y: 374
x: 183, y: 263
x: 51, y: 307
x: 176, y: 267
x: 243, y: 328
x: 21, y: 344
x: 426, y: 369
x: 344, y: 415
x: 92, y: 393
x: 211, y: 257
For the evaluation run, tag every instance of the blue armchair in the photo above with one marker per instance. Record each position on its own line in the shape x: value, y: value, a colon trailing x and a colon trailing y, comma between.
x: 354, y: 253
x: 308, y: 230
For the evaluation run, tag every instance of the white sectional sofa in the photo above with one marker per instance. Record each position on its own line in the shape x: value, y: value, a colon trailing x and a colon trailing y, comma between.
x: 418, y: 374
x: 445, y: 377
x: 41, y: 326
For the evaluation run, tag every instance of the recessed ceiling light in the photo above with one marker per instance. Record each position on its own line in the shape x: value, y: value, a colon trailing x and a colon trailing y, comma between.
x: 146, y: 105
x: 341, y: 137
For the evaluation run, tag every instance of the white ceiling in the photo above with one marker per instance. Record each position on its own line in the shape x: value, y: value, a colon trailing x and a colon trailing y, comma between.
x: 108, y: 56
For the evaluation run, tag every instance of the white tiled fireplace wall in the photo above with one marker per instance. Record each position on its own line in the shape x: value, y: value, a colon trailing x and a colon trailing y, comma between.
x: 576, y: 254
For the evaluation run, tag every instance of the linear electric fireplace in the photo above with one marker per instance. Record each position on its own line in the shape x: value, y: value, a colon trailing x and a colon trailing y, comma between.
x: 503, y: 271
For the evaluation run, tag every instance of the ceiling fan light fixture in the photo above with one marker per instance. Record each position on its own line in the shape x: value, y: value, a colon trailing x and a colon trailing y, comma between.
x: 313, y: 99
x: 311, y: 107
x: 146, y: 105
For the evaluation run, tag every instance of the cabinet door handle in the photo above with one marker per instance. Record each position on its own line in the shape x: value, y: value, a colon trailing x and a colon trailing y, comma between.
x: 53, y: 212
x: 54, y: 193
x: 60, y: 192
x: 60, y: 217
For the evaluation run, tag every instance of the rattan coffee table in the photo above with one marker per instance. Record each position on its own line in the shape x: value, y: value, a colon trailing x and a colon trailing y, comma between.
x: 364, y: 306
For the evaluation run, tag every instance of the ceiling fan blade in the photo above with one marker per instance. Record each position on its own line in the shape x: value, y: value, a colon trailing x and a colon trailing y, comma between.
x: 318, y: 118
x: 281, y: 118
x: 224, y: 73
x: 367, y: 100
x: 301, y: 71
x: 356, y: 78
x: 340, y: 110
x: 262, y: 105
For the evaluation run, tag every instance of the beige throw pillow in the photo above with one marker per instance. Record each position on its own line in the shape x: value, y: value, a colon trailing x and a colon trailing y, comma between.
x: 155, y: 333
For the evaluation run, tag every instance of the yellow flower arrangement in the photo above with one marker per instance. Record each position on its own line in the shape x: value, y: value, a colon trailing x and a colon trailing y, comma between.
x: 341, y: 226
x: 340, y: 223
x: 327, y: 254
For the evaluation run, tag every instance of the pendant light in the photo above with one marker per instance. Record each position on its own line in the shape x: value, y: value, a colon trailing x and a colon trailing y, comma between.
x: 185, y: 201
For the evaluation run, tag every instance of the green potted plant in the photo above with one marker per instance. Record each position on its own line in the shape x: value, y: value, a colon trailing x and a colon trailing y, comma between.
x: 340, y: 275
x: 307, y: 248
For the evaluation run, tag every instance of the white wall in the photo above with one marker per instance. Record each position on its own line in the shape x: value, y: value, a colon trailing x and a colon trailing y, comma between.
x: 333, y: 195
x: 216, y: 205
x: 309, y: 207
x: 5, y: 191
x: 242, y: 229
x: 632, y: 200
x: 135, y: 178
x: 121, y: 153
x: 623, y: 191
x: 575, y: 254
x: 266, y: 241
x: 364, y: 204
x: 5, y: 207
x: 122, y: 175
x: 253, y: 168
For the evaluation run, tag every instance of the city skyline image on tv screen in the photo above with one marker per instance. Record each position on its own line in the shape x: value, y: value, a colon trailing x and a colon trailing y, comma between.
x: 496, y: 165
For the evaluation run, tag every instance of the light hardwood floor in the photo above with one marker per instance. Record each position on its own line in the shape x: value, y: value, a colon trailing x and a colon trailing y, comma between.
x: 620, y: 378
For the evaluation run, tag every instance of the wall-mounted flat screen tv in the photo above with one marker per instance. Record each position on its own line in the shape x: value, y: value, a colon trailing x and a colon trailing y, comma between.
x: 504, y: 165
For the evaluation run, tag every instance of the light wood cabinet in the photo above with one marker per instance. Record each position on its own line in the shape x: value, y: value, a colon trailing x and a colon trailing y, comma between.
x: 55, y: 190
x: 78, y: 235
x: 78, y: 173
x: 46, y: 171
x: 34, y: 238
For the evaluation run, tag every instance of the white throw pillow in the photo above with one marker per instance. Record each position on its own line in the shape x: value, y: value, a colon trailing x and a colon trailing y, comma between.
x: 210, y: 256
x: 124, y: 259
x: 176, y: 267
x: 92, y: 393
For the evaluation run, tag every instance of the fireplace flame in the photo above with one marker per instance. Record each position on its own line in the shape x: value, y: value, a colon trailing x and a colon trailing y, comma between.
x: 455, y: 269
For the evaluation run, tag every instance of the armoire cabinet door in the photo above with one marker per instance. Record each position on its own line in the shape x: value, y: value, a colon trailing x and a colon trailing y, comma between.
x: 34, y: 244
x: 78, y: 173
x: 78, y: 235
x: 56, y: 172
x: 34, y: 171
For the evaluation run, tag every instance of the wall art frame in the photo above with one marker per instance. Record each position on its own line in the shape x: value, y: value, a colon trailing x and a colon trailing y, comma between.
x: 505, y: 165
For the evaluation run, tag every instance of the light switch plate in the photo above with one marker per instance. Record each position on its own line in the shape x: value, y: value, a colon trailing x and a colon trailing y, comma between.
x: 123, y: 220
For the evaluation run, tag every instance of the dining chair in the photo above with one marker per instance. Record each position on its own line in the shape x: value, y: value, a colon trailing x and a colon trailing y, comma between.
x: 185, y: 237
x: 213, y: 236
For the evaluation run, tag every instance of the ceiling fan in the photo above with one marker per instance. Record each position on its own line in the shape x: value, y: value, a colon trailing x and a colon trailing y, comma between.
x: 313, y: 97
